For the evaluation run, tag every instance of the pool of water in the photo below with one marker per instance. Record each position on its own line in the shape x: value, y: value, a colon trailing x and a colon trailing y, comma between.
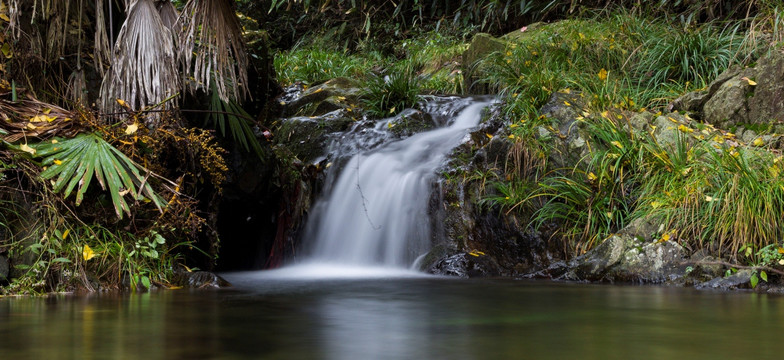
x: 401, y: 316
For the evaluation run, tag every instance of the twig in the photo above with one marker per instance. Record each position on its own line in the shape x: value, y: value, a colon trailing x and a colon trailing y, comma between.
x: 364, y: 199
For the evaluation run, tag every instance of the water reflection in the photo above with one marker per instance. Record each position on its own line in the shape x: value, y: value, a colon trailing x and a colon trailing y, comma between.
x: 404, y: 318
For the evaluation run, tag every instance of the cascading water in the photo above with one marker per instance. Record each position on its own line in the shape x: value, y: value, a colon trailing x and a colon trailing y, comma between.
x: 375, y: 213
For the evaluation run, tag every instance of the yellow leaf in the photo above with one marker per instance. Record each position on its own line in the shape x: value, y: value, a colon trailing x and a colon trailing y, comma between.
x: 26, y: 148
x: 57, y: 162
x: 87, y: 253
x: 617, y: 144
x: 46, y: 111
x: 665, y: 237
x: 780, y: 250
x: 758, y: 142
x: 685, y: 129
x: 751, y: 82
x: 5, y: 17
x: 54, y: 141
x: 673, y: 120
x: 511, y: 136
x: 567, y: 103
x: 656, y: 204
x: 489, y: 136
x: 123, y: 103
x: 131, y: 129
x: 602, y: 74
x: 318, y: 90
x: 390, y: 125
x: 392, y: 110
x: 65, y: 233
x: 31, y: 126
x: 592, y: 176
x: 513, y: 126
x: 709, y: 198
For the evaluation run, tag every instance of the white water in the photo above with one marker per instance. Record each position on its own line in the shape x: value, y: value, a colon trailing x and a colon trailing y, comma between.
x: 376, y: 214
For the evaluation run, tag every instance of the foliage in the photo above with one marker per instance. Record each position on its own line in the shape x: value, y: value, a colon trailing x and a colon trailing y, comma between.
x: 311, y: 65
x: 389, y: 95
x: 211, y: 47
x: 76, y: 161
x: 239, y: 123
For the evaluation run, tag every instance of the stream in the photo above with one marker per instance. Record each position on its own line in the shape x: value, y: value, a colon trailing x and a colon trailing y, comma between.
x: 271, y: 316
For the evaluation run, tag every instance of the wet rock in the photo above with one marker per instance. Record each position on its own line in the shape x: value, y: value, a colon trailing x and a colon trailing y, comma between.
x: 739, y: 280
x: 465, y: 266
x: 335, y: 94
x: 307, y: 137
x: 199, y: 280
x: 410, y: 122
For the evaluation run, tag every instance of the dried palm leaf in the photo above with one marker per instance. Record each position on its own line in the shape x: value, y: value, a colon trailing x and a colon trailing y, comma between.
x: 30, y: 118
x: 77, y: 86
x: 169, y: 14
x: 102, y: 49
x: 144, y: 71
x: 212, y: 31
x: 13, y: 15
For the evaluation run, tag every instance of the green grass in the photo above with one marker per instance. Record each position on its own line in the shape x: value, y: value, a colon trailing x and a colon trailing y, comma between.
x: 386, y: 96
x: 312, y: 65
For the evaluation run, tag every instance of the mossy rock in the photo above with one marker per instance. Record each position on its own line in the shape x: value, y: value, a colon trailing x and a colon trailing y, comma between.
x: 307, y: 137
x: 334, y: 94
x: 481, y: 46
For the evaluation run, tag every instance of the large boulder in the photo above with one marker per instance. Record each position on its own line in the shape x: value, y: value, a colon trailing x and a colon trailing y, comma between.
x: 481, y: 46
x: 622, y: 258
x: 740, y: 97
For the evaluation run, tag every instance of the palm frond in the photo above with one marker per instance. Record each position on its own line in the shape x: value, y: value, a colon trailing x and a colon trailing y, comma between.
x: 144, y: 70
x: 30, y: 118
x: 75, y: 162
x: 102, y: 50
x: 213, y: 32
x: 169, y: 14
x: 231, y: 114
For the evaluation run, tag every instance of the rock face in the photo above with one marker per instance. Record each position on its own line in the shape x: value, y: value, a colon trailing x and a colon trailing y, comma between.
x: 742, y: 96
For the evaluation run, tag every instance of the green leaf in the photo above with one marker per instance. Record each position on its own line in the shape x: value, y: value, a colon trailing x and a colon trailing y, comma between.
x: 146, y: 282
x: 754, y: 280
x: 764, y: 276
x: 61, y: 260
x: 89, y: 156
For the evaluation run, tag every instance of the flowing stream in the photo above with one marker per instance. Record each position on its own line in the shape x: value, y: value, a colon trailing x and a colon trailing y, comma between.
x: 375, y: 213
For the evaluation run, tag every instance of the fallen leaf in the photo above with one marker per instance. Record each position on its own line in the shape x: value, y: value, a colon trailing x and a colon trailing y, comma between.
x: 602, y: 74
x: 87, y: 253
x: 26, y: 148
x: 57, y: 162
x: 592, y: 177
x: 758, y: 142
x: 131, y: 129
x: 751, y: 82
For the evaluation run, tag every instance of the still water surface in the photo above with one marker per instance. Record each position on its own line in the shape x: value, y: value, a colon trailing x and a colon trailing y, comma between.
x: 401, y: 317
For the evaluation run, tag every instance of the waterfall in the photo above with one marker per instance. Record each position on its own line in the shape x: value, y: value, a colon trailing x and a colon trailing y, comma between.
x: 376, y: 211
